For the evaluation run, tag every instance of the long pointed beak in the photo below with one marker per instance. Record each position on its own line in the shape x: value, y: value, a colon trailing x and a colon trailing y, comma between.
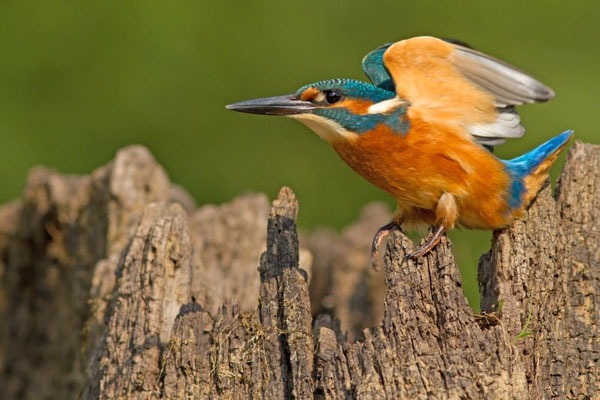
x: 278, y: 105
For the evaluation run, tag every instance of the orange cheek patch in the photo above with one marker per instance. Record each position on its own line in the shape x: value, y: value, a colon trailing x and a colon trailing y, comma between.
x: 309, y: 94
x: 356, y: 106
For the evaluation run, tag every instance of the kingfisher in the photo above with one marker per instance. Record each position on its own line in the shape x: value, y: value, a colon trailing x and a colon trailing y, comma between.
x: 423, y: 131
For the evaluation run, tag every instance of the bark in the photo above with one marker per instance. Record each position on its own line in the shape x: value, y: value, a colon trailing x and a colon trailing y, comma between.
x: 343, y: 284
x: 114, y: 285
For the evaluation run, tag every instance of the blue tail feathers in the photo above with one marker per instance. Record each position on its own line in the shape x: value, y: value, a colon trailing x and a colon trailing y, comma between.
x: 524, y: 165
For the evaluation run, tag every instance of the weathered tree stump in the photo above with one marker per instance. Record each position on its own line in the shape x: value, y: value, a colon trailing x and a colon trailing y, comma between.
x: 114, y: 286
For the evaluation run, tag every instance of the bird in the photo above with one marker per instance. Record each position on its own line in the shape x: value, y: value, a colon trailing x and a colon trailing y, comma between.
x: 424, y: 130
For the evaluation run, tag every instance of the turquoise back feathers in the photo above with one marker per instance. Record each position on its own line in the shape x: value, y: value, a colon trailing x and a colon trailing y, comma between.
x: 372, y: 65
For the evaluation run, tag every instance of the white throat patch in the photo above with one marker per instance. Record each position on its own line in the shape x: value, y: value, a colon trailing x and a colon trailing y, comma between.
x: 326, y: 129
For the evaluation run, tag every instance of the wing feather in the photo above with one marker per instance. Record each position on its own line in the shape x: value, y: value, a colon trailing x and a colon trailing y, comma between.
x: 510, y: 85
x: 507, y: 125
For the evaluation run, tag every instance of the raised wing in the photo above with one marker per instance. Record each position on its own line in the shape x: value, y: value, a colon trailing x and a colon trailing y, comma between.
x: 451, y: 82
x: 372, y: 65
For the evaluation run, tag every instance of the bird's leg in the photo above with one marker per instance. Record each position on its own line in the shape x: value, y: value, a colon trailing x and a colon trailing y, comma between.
x: 428, y: 245
x: 446, y: 212
x: 381, y: 234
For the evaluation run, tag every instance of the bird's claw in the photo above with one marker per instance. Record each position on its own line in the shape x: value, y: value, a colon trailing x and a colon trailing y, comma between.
x: 427, y: 246
x: 377, y: 239
x: 409, y: 256
x: 373, y: 262
x: 374, y: 258
x: 385, y: 230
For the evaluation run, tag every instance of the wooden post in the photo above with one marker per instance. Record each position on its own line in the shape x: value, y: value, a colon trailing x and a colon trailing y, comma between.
x: 114, y: 286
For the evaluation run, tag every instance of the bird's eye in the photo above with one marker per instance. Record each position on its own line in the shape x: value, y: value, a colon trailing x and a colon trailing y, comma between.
x: 333, y: 96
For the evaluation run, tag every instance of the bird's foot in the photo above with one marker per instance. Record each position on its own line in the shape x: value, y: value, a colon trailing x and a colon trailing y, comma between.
x: 428, y: 245
x: 381, y: 234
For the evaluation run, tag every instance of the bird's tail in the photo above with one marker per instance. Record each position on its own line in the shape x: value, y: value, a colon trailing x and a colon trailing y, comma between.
x: 529, y: 171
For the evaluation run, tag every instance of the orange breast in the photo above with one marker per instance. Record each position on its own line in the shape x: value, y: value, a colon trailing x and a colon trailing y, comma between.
x: 428, y: 161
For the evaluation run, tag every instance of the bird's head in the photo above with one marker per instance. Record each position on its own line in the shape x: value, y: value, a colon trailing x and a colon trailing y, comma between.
x: 335, y: 108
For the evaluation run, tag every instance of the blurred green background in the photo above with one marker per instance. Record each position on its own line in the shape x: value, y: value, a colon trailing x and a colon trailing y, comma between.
x: 79, y: 80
